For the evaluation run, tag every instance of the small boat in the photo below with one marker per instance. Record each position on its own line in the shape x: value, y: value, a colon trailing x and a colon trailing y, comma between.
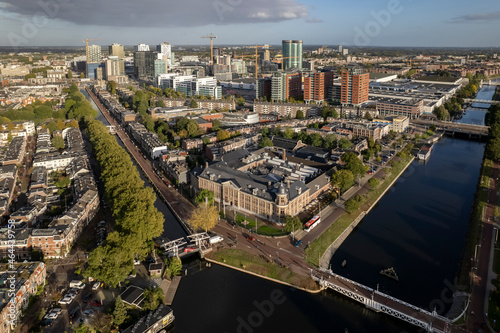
x: 390, y: 272
x: 344, y: 263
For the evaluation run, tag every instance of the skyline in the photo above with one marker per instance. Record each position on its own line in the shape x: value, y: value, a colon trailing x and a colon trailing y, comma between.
x: 391, y: 23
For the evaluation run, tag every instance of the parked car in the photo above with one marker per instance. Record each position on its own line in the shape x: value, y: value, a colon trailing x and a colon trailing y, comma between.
x: 96, y: 302
x: 88, y: 313
x: 188, y: 249
x: 96, y: 285
x: 74, y: 312
x: 249, y: 237
x: 137, y: 262
x: 65, y: 300
x: 77, y: 284
x: 298, y: 243
x: 86, y: 298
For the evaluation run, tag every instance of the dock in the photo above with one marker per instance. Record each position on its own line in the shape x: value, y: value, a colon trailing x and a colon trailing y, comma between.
x: 172, y: 289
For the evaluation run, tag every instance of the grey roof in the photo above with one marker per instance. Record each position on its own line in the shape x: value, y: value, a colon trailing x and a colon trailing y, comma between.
x: 145, y: 323
x: 250, y: 183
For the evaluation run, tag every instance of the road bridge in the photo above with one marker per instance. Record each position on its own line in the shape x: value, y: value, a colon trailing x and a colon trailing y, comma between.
x: 380, y: 302
x: 455, y: 128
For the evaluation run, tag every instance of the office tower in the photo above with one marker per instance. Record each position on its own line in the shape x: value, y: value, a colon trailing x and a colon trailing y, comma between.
x: 141, y: 48
x: 160, y: 67
x: 117, y: 50
x: 292, y: 54
x: 354, y: 86
x: 285, y: 86
x: 316, y: 86
x: 165, y: 50
x: 345, y: 51
x: 340, y: 49
x: 144, y: 64
x: 94, y: 53
x: 263, y: 88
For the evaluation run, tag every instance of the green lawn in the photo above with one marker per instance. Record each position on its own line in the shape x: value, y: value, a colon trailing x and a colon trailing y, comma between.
x: 259, y: 265
x: 263, y: 229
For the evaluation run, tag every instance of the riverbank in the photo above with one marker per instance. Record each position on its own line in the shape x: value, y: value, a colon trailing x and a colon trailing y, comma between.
x: 322, y: 249
x: 263, y: 268
x: 475, y: 226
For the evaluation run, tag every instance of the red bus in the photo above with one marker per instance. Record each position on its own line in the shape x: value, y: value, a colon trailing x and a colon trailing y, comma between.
x: 312, y: 223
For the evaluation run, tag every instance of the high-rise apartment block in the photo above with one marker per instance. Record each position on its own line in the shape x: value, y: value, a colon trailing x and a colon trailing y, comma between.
x: 117, y: 50
x: 94, y: 53
x: 292, y: 54
x: 316, y: 86
x: 354, y: 86
x: 285, y: 86
x: 141, y: 48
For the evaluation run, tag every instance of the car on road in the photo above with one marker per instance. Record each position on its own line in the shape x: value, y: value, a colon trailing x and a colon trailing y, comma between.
x: 73, y: 313
x: 189, y: 249
x: 96, y: 285
x: 298, y: 243
x: 250, y: 238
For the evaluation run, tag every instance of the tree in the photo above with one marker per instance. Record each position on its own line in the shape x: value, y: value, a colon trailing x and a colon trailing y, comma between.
x: 58, y: 142
x: 223, y: 135
x: 292, y: 223
x: 69, y: 75
x: 288, y: 133
x: 330, y: 141
x: 152, y: 298
x: 354, y: 164
x: 344, y: 143
x: 173, y: 266
x: 112, y: 87
x: 265, y: 142
x: 373, y: 182
x: 353, y: 204
x: 120, y: 311
x: 202, y: 197
x: 316, y: 140
x: 441, y: 113
x: 82, y: 329
x: 193, y: 104
x: 299, y: 114
x: 82, y: 75
x: 29, y: 76
x: 204, y: 217
x: 216, y: 125
x: 193, y: 128
x: 343, y: 179
x: 240, y: 101
x: 368, y: 116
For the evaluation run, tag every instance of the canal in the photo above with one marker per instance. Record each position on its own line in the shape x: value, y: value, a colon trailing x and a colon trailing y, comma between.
x: 419, y: 228
x: 171, y: 228
x: 475, y: 114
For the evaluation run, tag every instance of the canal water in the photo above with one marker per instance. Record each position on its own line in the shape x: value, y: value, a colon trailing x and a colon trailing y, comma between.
x: 418, y: 228
x: 475, y: 114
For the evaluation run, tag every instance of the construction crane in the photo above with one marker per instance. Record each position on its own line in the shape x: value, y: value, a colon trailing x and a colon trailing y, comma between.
x: 212, y: 37
x: 86, y: 40
x: 242, y: 57
x: 256, y: 56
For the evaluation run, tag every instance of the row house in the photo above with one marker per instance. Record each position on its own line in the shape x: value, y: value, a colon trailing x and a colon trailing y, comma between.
x: 28, y: 278
x: 191, y: 144
x: 15, y: 152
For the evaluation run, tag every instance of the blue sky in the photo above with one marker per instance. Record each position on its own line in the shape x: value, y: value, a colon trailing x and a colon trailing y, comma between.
x: 435, y: 23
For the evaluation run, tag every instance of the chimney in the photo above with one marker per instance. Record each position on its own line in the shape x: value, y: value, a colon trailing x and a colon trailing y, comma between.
x: 284, y: 154
x: 206, y: 165
x: 287, y: 184
x: 269, y: 185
